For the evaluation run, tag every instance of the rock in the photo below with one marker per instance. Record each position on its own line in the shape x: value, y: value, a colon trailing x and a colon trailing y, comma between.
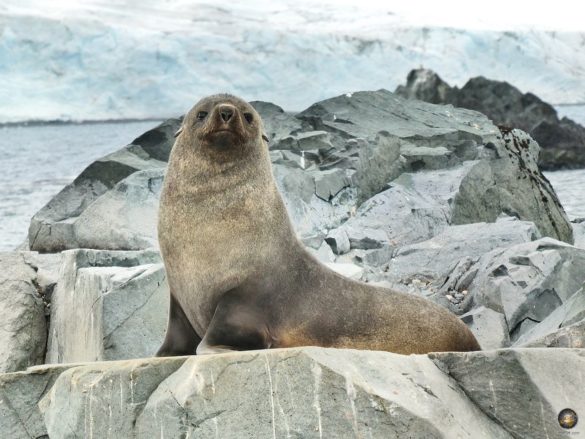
x: 414, y: 208
x: 579, y: 232
x: 312, y: 216
x: 364, y: 114
x: 562, y: 140
x: 348, y: 270
x: 433, y: 259
x: 505, y: 183
x: 546, y: 379
x: 278, y: 124
x: 572, y: 311
x: 20, y: 393
x: 104, y: 399
x: 572, y: 336
x: 108, y: 305
x: 301, y: 392
x: 124, y: 218
x: 23, y: 328
x: 338, y: 241
x: 306, y: 392
x: 51, y: 228
x: 344, y: 150
x: 426, y: 85
x: 489, y: 327
x: 528, y: 282
x: 330, y: 183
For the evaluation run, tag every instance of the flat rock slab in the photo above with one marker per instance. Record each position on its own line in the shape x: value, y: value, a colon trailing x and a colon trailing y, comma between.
x: 302, y: 392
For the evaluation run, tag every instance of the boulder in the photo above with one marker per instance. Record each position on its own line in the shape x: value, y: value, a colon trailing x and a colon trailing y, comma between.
x: 108, y: 305
x: 124, y: 218
x: 570, y: 314
x: 307, y: 392
x: 301, y: 392
x: 20, y: 392
x: 23, y: 327
x: 433, y: 259
x: 522, y: 390
x: 52, y: 228
x: 333, y: 157
x: 527, y: 282
x: 562, y: 140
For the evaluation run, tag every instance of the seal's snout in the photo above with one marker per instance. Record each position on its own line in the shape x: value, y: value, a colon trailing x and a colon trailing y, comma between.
x: 226, y: 111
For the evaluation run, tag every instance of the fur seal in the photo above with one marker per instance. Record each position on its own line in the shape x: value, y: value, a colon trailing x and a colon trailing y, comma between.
x: 240, y: 279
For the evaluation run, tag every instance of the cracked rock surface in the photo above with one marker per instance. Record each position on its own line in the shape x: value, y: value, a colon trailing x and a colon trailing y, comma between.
x: 302, y: 392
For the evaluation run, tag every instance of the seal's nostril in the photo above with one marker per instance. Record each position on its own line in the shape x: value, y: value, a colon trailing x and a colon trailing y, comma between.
x: 226, y: 113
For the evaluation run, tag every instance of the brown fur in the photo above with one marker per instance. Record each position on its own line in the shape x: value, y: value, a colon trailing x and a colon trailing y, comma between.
x: 239, y: 277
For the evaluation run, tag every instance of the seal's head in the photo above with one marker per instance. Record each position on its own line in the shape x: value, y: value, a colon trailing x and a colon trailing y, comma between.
x: 222, y: 125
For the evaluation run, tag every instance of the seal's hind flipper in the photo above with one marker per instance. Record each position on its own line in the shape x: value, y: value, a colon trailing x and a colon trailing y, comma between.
x: 181, y: 338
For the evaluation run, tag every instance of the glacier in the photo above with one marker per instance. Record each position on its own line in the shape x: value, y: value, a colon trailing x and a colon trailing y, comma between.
x: 108, y: 60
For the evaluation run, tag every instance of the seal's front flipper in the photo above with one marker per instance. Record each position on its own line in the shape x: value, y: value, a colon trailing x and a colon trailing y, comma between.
x: 181, y: 338
x: 236, y: 326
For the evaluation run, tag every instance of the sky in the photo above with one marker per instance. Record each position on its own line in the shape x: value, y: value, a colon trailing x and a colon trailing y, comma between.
x: 560, y: 15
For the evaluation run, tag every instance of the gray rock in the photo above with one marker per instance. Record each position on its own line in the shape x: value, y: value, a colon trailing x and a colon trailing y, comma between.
x: 338, y: 241
x: 572, y: 336
x: 330, y: 183
x: 302, y: 392
x: 108, y: 305
x: 124, y: 218
x: 510, y: 182
x: 563, y: 140
x: 366, y: 113
x: 51, y: 228
x: 579, y: 232
x: 312, y: 217
x: 23, y: 328
x: 307, y: 392
x: 570, y: 312
x: 433, y: 259
x: 414, y: 208
x: 527, y: 282
x: 523, y: 390
x: 278, y: 124
x: 350, y: 149
x: 426, y: 85
x: 20, y: 393
x: 103, y: 399
x: 489, y: 327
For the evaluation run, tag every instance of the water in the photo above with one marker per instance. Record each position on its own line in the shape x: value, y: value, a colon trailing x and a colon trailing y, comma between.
x: 570, y: 188
x: 37, y: 161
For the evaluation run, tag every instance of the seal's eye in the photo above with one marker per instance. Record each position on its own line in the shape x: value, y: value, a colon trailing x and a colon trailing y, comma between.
x: 249, y: 117
x: 201, y: 115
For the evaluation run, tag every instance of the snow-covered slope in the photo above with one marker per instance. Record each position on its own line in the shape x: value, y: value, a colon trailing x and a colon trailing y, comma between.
x: 95, y: 59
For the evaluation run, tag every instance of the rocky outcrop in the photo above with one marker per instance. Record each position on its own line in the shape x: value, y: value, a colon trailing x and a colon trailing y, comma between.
x: 562, y: 140
x: 54, y: 228
x: 395, y: 162
x: 108, y: 305
x: 308, y: 392
x: 427, y: 199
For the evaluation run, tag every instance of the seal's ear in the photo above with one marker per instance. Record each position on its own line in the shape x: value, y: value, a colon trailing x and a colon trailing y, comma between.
x: 179, y: 131
x: 265, y: 137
